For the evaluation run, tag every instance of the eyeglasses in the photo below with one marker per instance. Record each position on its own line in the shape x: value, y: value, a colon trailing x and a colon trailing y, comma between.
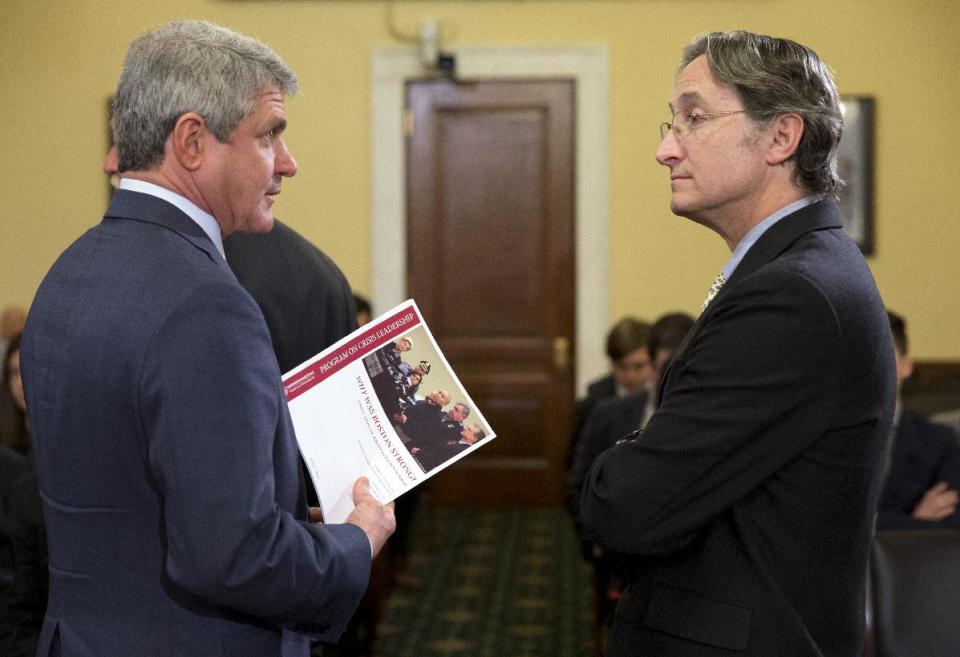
x: 684, y: 123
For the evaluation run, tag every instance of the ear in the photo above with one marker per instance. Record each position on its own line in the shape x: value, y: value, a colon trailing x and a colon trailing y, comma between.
x: 188, y: 140
x: 784, y: 133
x: 906, y: 366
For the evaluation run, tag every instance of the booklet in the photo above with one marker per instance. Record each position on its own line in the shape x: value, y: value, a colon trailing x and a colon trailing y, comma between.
x: 382, y: 403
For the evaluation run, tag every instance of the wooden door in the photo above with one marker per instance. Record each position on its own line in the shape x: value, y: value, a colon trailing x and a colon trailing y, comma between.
x: 490, y: 212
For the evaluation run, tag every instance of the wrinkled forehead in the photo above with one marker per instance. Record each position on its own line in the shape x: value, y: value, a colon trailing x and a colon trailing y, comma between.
x: 696, y: 86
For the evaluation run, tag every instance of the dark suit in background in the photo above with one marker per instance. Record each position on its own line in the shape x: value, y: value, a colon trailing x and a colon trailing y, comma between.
x: 628, y: 348
x: 610, y: 420
x: 12, y: 465
x: 597, y: 391
x: 746, y: 506
x: 601, y: 388
x: 305, y: 298
x: 24, y: 602
x: 171, y: 491
x: 922, y: 455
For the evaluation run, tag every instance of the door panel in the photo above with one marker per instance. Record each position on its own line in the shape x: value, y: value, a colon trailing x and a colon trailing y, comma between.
x: 490, y: 262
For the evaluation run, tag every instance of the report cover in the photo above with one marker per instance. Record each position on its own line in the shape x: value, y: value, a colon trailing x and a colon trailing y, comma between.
x: 383, y: 403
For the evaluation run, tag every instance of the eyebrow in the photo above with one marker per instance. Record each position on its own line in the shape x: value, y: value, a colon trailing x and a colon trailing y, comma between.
x: 687, y: 97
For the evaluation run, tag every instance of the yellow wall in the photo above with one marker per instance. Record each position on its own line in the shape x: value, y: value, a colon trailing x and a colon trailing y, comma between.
x: 59, y: 61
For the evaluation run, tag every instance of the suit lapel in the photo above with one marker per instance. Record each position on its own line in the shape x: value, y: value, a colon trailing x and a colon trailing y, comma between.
x: 778, y: 239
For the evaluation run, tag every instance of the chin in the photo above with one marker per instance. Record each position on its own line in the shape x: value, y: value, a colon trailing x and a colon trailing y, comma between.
x: 686, y: 209
x: 262, y: 223
x: 678, y: 209
x: 262, y: 220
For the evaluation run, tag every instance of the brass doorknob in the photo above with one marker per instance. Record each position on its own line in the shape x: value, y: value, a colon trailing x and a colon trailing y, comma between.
x: 561, y: 353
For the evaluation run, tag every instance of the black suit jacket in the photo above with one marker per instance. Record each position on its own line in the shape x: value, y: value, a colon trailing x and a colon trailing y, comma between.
x: 922, y: 455
x: 12, y: 465
x: 610, y: 420
x: 433, y: 455
x: 746, y: 506
x: 424, y: 424
x: 602, y: 388
x: 305, y: 298
x: 24, y: 602
x: 597, y: 391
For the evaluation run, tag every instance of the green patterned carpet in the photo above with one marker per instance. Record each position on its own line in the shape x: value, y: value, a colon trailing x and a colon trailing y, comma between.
x: 489, y: 582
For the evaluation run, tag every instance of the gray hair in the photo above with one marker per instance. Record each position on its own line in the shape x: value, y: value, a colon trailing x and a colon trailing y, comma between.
x: 189, y: 66
x: 774, y: 76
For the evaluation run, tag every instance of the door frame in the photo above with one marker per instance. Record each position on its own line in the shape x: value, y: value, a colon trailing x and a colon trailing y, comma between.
x: 588, y: 66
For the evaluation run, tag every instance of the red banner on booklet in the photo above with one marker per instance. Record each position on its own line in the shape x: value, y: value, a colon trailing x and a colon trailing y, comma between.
x: 375, y: 337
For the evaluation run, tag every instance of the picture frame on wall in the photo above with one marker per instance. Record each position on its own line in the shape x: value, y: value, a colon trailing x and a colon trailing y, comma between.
x: 855, y: 162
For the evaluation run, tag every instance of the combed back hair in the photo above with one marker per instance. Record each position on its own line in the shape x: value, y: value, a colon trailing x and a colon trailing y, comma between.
x: 189, y: 66
x: 898, y: 326
x: 627, y: 335
x: 776, y: 76
x: 466, y: 409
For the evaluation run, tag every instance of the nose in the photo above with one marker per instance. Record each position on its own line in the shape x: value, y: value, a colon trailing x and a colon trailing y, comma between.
x: 285, y: 164
x: 669, y: 149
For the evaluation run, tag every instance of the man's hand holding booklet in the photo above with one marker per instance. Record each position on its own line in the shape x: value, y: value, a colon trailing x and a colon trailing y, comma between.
x: 381, y: 403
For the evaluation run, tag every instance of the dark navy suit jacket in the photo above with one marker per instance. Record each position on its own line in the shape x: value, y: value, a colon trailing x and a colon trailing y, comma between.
x: 166, y: 457
x: 922, y: 455
x: 746, y: 506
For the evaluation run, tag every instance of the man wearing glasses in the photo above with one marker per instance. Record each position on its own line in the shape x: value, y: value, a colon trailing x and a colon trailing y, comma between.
x: 745, y: 508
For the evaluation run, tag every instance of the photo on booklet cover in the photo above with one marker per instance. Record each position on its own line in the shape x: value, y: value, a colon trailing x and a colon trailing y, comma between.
x: 427, y: 407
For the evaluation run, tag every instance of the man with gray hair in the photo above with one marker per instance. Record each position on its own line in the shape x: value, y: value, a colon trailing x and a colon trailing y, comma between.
x: 745, y: 507
x: 167, y: 461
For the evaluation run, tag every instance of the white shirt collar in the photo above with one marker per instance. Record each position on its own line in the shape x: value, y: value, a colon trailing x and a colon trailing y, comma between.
x: 754, y: 234
x: 203, y: 219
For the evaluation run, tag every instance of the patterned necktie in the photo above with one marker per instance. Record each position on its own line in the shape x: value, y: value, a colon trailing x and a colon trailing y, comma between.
x: 712, y: 292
